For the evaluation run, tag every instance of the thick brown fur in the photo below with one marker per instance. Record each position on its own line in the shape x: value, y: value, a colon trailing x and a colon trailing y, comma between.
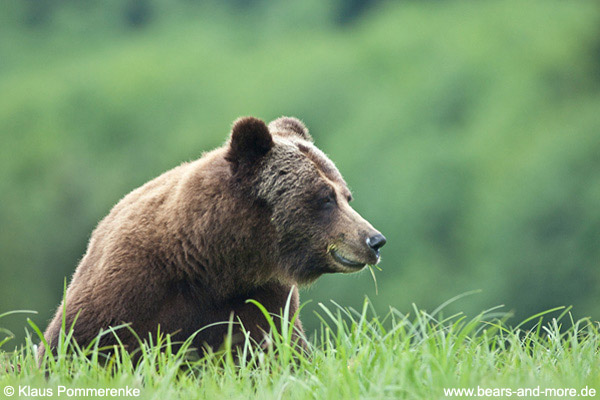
x: 250, y: 220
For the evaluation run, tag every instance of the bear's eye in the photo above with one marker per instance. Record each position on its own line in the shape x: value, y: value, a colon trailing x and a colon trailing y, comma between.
x: 327, y: 201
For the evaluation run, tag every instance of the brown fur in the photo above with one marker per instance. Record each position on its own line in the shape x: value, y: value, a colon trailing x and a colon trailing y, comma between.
x: 249, y: 220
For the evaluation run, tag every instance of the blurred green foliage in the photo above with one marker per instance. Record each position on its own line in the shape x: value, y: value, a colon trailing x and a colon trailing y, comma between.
x: 468, y: 131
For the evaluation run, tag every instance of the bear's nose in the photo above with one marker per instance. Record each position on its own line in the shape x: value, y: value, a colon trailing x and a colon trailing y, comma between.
x: 375, y: 242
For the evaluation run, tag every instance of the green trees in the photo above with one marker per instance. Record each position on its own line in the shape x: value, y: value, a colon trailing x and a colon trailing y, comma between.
x: 469, y: 134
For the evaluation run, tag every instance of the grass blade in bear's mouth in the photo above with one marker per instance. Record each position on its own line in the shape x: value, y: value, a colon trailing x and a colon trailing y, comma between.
x: 345, y: 262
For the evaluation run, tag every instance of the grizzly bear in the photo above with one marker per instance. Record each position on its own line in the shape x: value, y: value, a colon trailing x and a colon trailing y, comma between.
x: 253, y: 219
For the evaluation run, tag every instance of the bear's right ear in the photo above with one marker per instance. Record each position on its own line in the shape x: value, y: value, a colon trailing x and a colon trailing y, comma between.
x: 250, y: 140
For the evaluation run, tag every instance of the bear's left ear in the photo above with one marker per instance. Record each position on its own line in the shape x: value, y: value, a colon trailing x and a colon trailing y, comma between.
x: 250, y: 140
x: 290, y: 126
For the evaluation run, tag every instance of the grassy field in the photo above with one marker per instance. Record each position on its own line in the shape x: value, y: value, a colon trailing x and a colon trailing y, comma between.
x: 356, y: 354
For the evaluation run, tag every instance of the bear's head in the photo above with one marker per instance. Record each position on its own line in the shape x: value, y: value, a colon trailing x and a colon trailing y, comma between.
x: 308, y: 200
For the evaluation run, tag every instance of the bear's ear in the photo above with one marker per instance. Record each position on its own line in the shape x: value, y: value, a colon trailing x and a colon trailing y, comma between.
x: 250, y: 140
x: 290, y: 126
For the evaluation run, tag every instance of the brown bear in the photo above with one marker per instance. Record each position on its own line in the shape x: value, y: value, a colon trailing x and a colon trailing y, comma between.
x: 253, y: 219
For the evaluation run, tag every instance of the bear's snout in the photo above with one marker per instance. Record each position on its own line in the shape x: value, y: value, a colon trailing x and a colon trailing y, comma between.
x: 376, y: 242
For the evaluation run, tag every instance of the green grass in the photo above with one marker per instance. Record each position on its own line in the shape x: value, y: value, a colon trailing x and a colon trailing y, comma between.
x: 355, y: 354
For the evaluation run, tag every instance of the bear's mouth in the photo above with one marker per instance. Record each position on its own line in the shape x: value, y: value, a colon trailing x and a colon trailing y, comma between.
x: 340, y: 259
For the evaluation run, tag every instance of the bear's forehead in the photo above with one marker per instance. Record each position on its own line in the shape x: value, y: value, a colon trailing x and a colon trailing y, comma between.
x: 303, y: 157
